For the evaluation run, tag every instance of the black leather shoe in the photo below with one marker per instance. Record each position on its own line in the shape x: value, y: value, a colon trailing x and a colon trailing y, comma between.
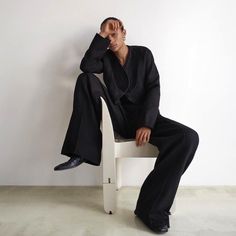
x: 160, y: 229
x: 71, y: 163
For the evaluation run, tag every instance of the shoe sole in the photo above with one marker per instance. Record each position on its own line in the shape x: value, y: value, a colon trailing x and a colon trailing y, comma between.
x: 69, y: 167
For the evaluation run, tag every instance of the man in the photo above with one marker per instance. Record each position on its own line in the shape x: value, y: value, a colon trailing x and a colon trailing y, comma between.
x: 132, y: 94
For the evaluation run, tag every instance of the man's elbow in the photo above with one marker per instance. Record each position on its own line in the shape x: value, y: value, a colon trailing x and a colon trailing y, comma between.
x: 84, y: 68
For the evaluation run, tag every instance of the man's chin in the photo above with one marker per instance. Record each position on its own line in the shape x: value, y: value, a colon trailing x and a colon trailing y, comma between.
x: 114, y: 49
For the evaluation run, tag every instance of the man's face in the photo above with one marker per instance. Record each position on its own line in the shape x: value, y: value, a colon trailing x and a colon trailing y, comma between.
x: 116, y: 40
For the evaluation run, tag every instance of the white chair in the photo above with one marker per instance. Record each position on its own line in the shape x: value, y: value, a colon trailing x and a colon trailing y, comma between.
x: 114, y: 148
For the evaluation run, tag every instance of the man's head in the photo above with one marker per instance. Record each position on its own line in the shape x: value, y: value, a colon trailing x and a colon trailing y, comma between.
x: 117, y: 38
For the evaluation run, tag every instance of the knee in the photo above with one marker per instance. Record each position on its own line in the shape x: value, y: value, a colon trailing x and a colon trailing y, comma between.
x: 82, y: 77
x: 85, y: 76
x: 87, y: 79
x: 191, y: 137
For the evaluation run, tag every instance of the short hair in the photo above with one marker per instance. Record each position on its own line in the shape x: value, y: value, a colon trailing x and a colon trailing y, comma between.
x: 112, y: 18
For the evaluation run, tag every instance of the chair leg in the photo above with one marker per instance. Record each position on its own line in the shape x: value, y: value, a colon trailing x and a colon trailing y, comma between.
x: 118, y: 174
x: 109, y: 162
x: 109, y: 184
x: 109, y: 198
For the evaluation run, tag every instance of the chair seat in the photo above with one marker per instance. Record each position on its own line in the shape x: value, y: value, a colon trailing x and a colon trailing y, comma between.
x: 129, y: 149
x: 119, y: 138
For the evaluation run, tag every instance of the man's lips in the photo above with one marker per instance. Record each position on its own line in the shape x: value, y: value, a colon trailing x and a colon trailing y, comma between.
x: 113, y: 46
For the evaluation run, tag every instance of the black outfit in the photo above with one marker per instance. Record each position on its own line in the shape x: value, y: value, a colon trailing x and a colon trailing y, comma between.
x: 132, y: 96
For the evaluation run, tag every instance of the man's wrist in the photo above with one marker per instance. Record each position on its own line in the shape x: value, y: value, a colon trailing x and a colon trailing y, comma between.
x: 104, y: 35
x: 145, y: 126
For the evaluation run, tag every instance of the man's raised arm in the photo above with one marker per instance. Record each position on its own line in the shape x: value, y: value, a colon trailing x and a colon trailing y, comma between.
x: 92, y: 60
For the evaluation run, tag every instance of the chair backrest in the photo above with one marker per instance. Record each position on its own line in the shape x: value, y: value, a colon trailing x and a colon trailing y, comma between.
x: 106, y: 123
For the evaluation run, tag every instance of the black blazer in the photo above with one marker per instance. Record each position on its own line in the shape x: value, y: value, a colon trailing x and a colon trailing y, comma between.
x: 137, y: 79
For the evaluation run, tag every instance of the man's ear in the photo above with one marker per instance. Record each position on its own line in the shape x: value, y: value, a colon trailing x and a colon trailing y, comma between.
x: 124, y: 32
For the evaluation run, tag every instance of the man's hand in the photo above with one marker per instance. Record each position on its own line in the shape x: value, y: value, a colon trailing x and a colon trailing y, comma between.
x: 142, y: 135
x: 110, y: 27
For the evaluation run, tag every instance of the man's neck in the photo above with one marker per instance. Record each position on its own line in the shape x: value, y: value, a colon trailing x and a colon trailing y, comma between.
x: 122, y: 54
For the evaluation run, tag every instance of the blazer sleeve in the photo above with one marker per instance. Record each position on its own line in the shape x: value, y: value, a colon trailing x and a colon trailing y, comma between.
x: 92, y: 60
x: 150, y: 105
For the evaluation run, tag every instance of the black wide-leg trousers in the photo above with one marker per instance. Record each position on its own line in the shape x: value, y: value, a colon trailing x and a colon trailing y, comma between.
x: 83, y: 136
x: 177, y: 144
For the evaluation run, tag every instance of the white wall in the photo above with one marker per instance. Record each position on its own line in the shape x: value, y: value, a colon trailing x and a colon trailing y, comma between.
x: 42, y: 43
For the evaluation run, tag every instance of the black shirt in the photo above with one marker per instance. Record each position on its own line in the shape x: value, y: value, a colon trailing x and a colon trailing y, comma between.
x: 137, y: 81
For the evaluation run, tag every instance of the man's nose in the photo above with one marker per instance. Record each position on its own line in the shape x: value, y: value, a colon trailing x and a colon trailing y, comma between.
x: 110, y: 38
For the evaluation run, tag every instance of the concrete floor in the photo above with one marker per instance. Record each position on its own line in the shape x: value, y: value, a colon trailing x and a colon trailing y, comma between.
x: 70, y: 211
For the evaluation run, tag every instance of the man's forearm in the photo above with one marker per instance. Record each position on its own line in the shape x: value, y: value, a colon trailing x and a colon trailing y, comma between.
x: 92, y: 60
x: 103, y: 34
